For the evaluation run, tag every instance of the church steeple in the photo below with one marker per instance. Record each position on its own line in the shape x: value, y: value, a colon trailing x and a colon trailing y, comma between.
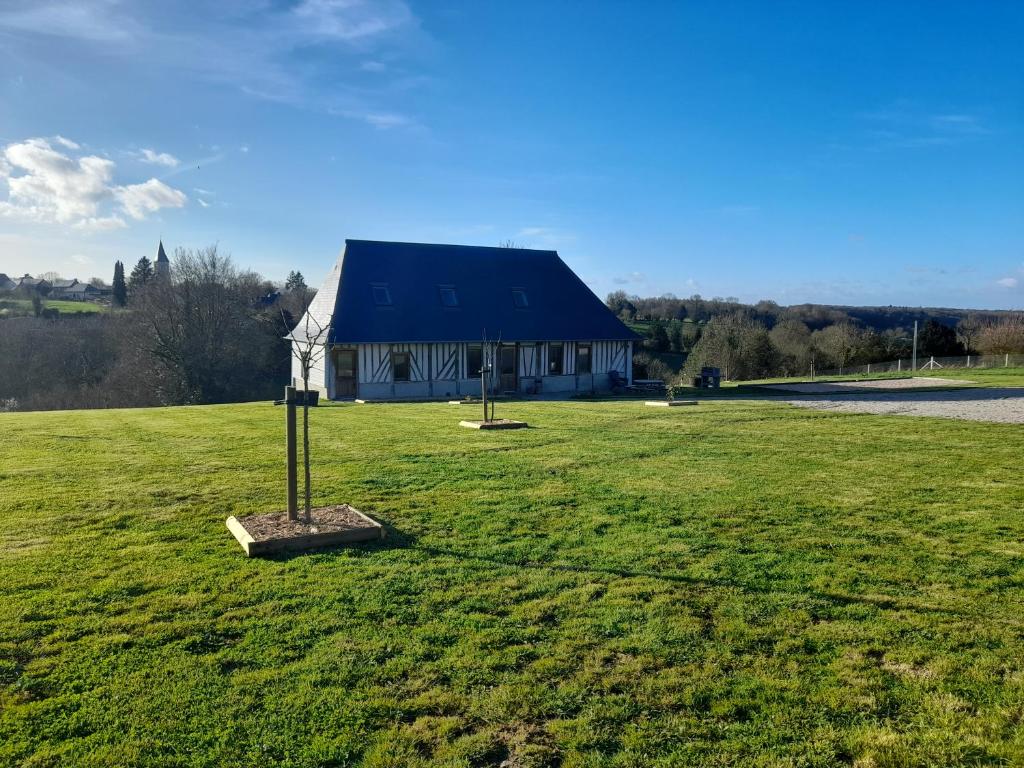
x: 163, y: 264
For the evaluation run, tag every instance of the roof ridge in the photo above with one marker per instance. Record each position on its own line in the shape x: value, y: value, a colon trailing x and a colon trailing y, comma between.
x: 450, y: 245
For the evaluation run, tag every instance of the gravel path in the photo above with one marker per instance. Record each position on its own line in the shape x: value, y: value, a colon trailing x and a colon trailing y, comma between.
x: 824, y: 388
x: 1004, y: 405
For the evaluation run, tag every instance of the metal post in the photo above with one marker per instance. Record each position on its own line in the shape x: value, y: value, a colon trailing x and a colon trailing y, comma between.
x: 968, y: 361
x: 914, y: 363
x: 483, y: 386
x: 293, y: 491
x: 899, y: 365
x: 1006, y: 361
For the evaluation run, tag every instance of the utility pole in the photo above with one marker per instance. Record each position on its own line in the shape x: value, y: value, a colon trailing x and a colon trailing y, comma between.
x: 914, y: 364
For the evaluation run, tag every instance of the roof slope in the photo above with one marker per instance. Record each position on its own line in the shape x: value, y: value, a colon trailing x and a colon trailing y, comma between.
x: 560, y: 306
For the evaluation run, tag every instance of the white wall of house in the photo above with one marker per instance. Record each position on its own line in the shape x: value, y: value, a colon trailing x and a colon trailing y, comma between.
x: 318, y: 371
x: 441, y: 370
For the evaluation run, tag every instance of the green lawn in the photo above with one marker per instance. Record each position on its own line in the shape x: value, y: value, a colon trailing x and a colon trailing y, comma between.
x: 739, y: 583
x: 24, y: 306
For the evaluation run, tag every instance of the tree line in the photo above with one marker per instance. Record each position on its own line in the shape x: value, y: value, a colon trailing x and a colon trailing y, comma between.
x: 750, y: 341
x: 207, y: 333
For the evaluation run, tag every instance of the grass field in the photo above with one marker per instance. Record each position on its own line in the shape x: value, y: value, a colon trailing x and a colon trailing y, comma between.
x: 739, y: 583
x: 24, y: 306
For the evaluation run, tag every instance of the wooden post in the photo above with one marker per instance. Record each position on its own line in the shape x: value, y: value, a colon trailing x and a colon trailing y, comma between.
x: 293, y: 493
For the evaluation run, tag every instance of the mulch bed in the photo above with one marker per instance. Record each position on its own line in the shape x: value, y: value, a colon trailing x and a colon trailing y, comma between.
x: 334, y: 519
x: 494, y: 424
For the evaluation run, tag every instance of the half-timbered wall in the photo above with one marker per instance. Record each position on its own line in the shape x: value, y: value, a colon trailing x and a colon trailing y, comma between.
x: 419, y: 360
x: 610, y: 356
x: 569, y: 358
x: 374, y: 363
x: 447, y: 361
x: 530, y: 360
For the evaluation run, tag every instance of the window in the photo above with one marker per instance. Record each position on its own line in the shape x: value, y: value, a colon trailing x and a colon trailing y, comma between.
x: 519, y: 300
x: 583, y: 359
x: 448, y: 296
x: 400, y: 366
x: 474, y: 359
x: 555, y: 352
x: 381, y: 295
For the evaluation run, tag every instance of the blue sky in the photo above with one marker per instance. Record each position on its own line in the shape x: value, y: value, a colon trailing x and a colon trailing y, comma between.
x: 798, y: 151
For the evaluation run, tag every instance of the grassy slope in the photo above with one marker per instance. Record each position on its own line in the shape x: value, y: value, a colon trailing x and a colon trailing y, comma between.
x: 741, y: 583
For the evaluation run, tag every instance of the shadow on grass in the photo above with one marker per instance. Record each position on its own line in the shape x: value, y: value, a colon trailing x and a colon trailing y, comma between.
x: 398, y: 540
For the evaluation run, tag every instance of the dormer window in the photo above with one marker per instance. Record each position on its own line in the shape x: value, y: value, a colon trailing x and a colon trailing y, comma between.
x: 448, y: 296
x: 381, y: 295
x: 519, y: 300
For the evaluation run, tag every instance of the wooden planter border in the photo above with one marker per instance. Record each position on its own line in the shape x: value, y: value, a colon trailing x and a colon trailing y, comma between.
x: 371, y: 531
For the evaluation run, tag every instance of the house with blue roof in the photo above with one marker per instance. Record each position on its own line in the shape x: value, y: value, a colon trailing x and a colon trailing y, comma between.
x: 416, y: 320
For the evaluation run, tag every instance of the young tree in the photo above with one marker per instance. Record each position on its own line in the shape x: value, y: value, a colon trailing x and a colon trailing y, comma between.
x: 309, y: 347
x: 295, y: 282
x: 119, y: 294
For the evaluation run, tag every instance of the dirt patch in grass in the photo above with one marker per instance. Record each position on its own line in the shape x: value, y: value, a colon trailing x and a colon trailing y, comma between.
x: 334, y: 519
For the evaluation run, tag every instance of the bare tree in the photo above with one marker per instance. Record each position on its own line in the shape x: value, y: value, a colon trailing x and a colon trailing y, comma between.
x: 968, y: 330
x: 309, y: 348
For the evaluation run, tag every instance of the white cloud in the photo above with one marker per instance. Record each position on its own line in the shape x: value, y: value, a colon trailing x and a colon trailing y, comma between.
x: 632, y: 277
x: 202, y: 202
x: 148, y: 197
x: 101, y: 224
x: 47, y: 185
x: 68, y: 143
x: 81, y: 258
x: 1008, y: 282
x: 52, y: 185
x: 244, y: 149
x: 546, y: 237
x: 283, y: 52
x: 95, y: 22
x: 381, y: 120
x: 350, y: 20
x: 158, y: 158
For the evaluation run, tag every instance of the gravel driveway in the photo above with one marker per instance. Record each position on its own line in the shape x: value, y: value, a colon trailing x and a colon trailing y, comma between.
x: 1004, y: 405
x: 828, y: 387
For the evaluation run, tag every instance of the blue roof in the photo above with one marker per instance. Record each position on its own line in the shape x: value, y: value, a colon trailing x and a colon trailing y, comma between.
x: 392, y: 293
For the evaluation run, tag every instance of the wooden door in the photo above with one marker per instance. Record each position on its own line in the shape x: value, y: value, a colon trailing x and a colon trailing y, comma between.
x: 345, y: 370
x: 508, y: 369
